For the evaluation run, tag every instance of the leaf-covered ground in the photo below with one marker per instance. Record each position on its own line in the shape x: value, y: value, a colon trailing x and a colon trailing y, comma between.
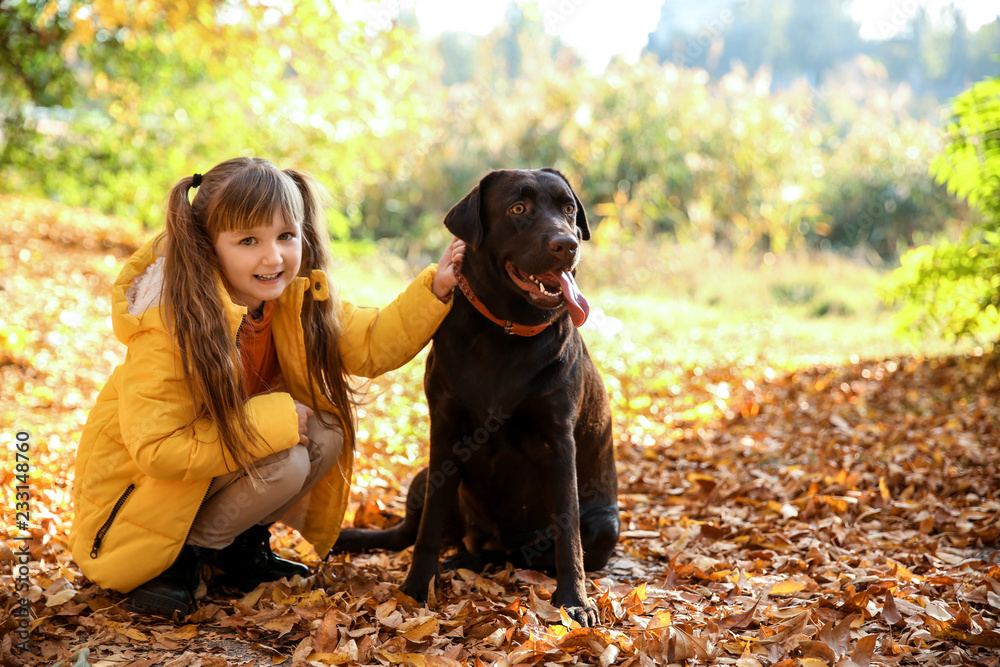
x: 842, y: 515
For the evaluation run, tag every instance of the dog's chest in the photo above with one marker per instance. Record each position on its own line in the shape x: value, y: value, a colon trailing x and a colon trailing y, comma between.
x: 503, y: 373
x: 467, y: 338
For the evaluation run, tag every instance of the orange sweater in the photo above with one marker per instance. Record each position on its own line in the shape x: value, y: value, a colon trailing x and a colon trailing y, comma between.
x: 257, y: 351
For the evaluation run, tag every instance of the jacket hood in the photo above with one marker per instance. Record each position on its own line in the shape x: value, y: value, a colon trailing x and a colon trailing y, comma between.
x: 137, y: 295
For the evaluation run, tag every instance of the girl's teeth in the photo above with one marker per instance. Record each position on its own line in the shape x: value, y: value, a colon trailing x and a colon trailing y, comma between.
x: 270, y: 277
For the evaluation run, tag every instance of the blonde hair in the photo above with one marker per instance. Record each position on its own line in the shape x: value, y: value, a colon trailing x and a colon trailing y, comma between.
x: 237, y: 195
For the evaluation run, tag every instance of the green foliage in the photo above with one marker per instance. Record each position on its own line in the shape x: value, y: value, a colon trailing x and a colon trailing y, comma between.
x: 970, y: 165
x: 955, y: 286
x: 652, y: 148
x: 31, y: 65
x: 874, y: 184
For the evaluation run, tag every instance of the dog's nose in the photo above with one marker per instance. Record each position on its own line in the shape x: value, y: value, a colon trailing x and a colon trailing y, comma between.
x: 564, y: 247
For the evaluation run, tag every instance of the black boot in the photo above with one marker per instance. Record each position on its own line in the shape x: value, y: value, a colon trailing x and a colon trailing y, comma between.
x: 172, y: 591
x: 249, y: 561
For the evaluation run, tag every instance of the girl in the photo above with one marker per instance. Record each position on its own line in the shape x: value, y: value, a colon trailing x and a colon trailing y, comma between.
x: 232, y: 408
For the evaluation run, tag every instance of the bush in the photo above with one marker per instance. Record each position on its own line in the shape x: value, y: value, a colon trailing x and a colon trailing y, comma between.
x: 651, y: 148
x: 953, y: 286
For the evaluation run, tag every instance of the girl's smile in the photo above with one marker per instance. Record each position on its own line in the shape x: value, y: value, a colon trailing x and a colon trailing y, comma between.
x: 259, y: 263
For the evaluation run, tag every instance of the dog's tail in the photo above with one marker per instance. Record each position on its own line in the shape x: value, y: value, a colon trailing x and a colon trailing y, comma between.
x: 397, y: 538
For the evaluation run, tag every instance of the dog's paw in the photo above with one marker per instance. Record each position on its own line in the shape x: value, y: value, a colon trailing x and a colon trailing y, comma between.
x: 416, y: 588
x: 586, y: 616
x: 577, y: 609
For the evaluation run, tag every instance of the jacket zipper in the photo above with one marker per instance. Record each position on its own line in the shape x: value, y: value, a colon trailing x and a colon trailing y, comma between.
x: 103, y: 530
x: 239, y: 329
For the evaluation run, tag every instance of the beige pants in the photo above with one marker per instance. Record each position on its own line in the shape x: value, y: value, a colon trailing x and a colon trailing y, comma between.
x: 233, y: 504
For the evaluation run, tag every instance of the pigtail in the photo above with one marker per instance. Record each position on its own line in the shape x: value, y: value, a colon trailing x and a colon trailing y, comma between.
x: 198, y: 324
x: 243, y: 193
x: 320, y: 319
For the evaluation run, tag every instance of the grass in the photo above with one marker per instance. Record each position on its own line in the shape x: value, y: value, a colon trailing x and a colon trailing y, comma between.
x: 694, y: 306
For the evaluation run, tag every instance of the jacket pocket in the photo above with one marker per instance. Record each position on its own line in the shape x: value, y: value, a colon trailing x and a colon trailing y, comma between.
x: 106, y: 526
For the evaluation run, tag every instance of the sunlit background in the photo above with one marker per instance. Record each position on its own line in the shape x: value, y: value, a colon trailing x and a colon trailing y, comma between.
x: 794, y: 280
x: 599, y: 30
x: 760, y: 138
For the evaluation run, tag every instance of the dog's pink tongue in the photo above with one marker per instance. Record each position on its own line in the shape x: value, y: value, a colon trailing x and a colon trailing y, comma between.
x: 579, y: 309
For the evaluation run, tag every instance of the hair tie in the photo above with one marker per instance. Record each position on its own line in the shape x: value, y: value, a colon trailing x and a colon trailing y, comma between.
x: 196, y: 180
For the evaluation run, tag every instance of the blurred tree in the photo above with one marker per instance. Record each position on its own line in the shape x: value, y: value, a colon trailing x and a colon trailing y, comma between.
x: 163, y: 89
x: 510, y: 42
x: 60, y: 56
x: 958, y: 51
x: 32, y: 71
x: 984, y: 45
x: 821, y: 34
x: 793, y: 39
x: 458, y: 51
x: 654, y: 149
x: 31, y: 63
x: 955, y: 286
x: 790, y: 38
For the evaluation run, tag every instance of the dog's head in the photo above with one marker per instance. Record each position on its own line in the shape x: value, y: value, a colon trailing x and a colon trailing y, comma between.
x: 529, y: 224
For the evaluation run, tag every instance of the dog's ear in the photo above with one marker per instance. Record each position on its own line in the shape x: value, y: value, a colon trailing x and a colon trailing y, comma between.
x: 463, y: 219
x: 581, y: 215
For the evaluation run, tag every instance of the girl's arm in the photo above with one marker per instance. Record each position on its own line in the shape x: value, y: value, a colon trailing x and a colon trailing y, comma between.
x: 157, y: 416
x: 376, y: 341
x: 379, y: 340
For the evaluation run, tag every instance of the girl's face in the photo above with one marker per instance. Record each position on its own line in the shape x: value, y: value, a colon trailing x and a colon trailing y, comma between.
x: 259, y: 263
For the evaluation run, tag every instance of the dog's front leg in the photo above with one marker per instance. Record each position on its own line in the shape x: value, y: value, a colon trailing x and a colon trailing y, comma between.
x: 563, y: 506
x: 443, y: 477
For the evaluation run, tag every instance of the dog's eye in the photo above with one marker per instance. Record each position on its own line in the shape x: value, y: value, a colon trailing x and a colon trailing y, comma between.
x: 569, y: 209
x: 516, y: 209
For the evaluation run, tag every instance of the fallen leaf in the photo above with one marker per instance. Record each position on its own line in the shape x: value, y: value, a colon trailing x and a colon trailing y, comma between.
x: 131, y: 633
x: 862, y: 654
x: 944, y: 630
x: 661, y: 619
x: 747, y: 659
x: 787, y: 587
x: 418, y: 629
x: 62, y: 597
x: 889, y: 611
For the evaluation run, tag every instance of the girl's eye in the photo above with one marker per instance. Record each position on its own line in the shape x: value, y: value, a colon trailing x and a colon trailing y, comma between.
x: 247, y: 241
x: 287, y: 236
x: 569, y: 209
x: 516, y: 209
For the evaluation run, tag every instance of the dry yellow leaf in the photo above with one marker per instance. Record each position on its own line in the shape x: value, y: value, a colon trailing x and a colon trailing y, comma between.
x: 184, y: 632
x: 812, y: 662
x: 419, y: 628
x: 62, y: 597
x: 338, y: 658
x: 122, y: 629
x: 787, y: 587
x: 661, y: 619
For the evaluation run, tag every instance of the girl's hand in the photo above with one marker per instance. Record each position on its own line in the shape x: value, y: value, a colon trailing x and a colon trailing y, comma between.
x: 304, y: 412
x: 448, y: 266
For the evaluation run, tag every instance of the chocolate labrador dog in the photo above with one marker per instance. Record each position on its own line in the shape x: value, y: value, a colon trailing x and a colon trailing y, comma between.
x: 522, y: 462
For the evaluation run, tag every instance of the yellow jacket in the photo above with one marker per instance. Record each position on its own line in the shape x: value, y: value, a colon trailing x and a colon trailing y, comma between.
x: 145, y: 463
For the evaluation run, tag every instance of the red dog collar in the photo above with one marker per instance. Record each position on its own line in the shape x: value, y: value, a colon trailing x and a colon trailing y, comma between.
x: 508, y: 326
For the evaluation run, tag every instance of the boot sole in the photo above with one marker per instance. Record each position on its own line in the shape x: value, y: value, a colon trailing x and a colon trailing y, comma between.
x: 151, y: 603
